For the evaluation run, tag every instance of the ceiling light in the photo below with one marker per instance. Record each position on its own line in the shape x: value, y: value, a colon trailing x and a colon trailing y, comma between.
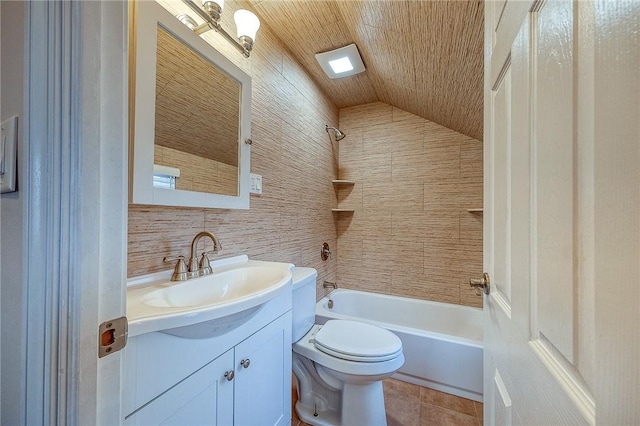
x: 247, y: 23
x: 341, y: 62
x: 341, y: 65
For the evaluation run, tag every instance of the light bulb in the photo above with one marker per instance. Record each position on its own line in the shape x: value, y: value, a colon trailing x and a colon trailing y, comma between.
x: 247, y: 24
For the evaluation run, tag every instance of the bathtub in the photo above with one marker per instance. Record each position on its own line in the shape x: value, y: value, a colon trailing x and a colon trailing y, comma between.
x: 442, y: 343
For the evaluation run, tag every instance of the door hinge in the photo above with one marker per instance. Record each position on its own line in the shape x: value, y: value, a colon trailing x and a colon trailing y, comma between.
x: 112, y: 336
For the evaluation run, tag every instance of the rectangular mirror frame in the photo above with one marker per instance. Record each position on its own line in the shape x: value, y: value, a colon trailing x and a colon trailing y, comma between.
x: 143, y: 30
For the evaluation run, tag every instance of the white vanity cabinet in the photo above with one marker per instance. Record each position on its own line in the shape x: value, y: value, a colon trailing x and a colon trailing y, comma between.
x: 262, y: 393
x: 204, y: 398
x: 242, y: 377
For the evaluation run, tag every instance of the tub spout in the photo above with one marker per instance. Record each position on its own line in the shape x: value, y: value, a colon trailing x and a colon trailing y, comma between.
x: 329, y: 284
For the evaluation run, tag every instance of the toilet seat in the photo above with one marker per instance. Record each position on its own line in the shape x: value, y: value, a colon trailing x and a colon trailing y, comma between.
x: 357, y: 341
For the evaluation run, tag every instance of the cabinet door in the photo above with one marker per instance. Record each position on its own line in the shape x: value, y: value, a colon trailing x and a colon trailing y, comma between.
x: 204, y: 398
x: 263, y: 379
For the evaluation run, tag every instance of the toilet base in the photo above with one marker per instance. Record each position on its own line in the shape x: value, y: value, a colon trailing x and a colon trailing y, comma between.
x: 316, y: 417
x: 320, y: 403
x: 362, y: 405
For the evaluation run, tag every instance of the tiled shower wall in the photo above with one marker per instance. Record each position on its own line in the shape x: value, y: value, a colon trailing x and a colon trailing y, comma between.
x: 411, y: 233
x: 297, y: 161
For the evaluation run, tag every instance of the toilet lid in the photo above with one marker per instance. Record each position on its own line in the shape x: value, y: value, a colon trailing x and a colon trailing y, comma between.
x: 357, y: 341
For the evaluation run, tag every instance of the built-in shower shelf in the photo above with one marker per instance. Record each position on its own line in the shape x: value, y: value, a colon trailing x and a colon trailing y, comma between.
x: 341, y: 183
x: 475, y: 210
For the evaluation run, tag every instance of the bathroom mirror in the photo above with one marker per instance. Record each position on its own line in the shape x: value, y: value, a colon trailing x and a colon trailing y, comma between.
x: 191, y: 110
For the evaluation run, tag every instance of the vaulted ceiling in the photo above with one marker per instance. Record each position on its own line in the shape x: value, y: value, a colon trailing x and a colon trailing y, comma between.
x: 422, y: 56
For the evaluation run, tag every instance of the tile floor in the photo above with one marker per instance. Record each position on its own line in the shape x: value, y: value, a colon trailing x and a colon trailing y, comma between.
x: 412, y: 405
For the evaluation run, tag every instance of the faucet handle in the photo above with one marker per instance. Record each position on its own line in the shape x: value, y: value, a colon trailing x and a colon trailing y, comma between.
x: 180, y: 270
x: 325, y: 253
x: 204, y: 266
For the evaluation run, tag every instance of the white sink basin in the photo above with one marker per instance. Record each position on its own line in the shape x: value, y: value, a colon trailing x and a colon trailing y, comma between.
x: 202, y: 307
x: 218, y: 288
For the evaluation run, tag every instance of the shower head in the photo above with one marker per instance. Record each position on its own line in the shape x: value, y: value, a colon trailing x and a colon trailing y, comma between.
x: 337, y: 134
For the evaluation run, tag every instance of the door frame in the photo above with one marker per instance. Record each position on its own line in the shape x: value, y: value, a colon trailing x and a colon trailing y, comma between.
x: 75, y: 189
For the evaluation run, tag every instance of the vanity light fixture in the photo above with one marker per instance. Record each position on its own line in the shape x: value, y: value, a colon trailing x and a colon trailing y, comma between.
x: 246, y: 22
x: 341, y: 62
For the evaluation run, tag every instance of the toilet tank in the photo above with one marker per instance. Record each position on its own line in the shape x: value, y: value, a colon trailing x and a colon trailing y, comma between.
x: 304, y: 301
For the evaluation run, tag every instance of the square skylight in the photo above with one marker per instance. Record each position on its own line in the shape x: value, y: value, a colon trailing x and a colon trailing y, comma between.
x: 341, y: 62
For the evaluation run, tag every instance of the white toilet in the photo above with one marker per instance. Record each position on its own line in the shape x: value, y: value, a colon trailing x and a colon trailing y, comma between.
x: 339, y: 366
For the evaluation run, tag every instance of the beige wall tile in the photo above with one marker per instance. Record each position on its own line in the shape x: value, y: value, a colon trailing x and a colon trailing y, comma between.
x: 392, y: 196
x: 349, y: 196
x: 417, y: 180
x: 443, y: 288
x: 363, y: 116
x: 470, y: 190
x: 366, y: 167
x: 442, y: 158
x: 471, y: 159
x: 349, y: 254
x: 409, y: 165
x: 443, y: 193
x: 365, y: 224
x: 352, y: 277
x: 376, y: 257
x: 397, y: 136
x: 365, y: 281
x: 407, y: 256
x: 442, y: 258
x: 350, y: 148
x: 154, y: 233
x: 425, y: 225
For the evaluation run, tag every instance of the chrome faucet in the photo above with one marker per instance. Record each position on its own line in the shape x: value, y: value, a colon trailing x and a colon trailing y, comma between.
x: 197, y: 269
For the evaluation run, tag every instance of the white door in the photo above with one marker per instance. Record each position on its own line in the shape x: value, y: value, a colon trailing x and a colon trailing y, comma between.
x: 562, y: 212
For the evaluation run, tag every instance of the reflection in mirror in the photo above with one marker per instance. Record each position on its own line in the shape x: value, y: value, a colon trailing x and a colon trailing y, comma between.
x: 196, y: 121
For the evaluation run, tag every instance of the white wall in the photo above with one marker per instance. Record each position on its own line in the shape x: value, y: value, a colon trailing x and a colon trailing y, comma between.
x: 12, y: 208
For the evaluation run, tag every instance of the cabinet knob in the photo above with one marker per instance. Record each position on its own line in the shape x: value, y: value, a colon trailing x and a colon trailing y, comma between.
x: 229, y: 375
x: 245, y: 363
